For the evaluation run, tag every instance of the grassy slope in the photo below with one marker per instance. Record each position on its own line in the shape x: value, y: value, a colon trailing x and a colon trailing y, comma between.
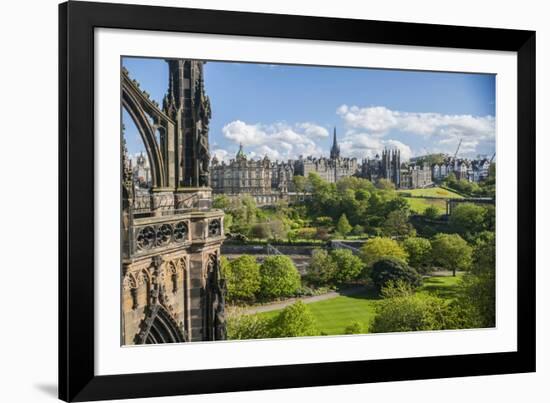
x: 333, y: 315
x: 432, y: 192
x: 419, y: 205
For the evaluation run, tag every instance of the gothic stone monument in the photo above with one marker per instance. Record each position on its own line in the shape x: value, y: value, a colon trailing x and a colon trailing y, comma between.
x: 172, y: 290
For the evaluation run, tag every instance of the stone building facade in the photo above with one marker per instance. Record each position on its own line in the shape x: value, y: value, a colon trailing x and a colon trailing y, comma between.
x: 329, y: 169
x: 386, y: 167
x: 473, y: 170
x: 142, y: 172
x: 172, y: 289
x: 416, y: 176
x: 265, y: 181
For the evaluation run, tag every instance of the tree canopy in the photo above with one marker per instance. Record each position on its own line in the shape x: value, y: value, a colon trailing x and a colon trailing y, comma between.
x: 390, y: 271
x: 379, y: 247
x: 467, y: 219
x: 243, y: 278
x: 451, y: 252
x: 279, y: 277
x: 419, y: 251
x: 294, y: 321
x: 343, y: 227
x: 348, y: 266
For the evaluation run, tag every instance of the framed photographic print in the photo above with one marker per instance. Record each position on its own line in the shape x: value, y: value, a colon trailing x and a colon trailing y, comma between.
x: 258, y: 201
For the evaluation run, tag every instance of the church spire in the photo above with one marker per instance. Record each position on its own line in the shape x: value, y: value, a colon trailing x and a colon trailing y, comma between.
x: 240, y: 154
x: 335, y: 149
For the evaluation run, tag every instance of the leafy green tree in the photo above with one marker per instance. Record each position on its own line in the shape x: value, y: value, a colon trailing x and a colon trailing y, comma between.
x: 391, y: 270
x: 411, y: 312
x: 348, y: 266
x: 244, y: 213
x: 224, y: 266
x: 475, y: 304
x: 450, y: 180
x: 343, y: 227
x: 324, y: 221
x: 431, y: 212
x: 243, y: 278
x: 419, y: 251
x: 467, y: 219
x: 379, y: 247
x: 278, y: 229
x: 354, y: 327
x: 396, y: 203
x: 358, y: 230
x: 321, y: 268
x: 260, y: 230
x: 451, y: 252
x: 484, y: 253
x: 245, y: 327
x: 278, y: 277
x: 490, y: 218
x: 222, y: 202
x: 322, y: 234
x: 299, y: 183
x: 397, y: 224
x: 385, y: 184
x: 294, y: 321
x: 228, y: 222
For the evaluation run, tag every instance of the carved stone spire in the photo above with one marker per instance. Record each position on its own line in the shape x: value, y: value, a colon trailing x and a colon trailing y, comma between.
x: 335, y: 149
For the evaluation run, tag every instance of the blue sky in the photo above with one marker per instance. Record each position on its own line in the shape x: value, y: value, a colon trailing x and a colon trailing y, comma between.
x: 284, y: 111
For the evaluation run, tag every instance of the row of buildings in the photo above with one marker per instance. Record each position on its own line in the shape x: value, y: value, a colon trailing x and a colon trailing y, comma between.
x: 268, y: 181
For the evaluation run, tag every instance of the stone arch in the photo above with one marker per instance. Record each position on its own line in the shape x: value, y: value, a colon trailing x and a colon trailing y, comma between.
x: 150, y: 120
x: 132, y: 105
x: 159, y: 327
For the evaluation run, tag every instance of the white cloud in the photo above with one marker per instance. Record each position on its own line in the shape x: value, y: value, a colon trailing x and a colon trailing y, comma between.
x: 313, y: 130
x: 221, y: 155
x: 279, y: 141
x: 379, y: 121
x: 362, y: 145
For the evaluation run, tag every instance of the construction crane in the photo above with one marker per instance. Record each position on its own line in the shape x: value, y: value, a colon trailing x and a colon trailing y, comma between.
x: 458, y: 148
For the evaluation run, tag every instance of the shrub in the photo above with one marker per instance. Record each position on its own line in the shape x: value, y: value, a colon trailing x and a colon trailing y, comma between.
x: 323, y: 221
x: 322, y: 234
x: 294, y: 321
x: 431, y: 212
x: 348, y: 266
x: 260, y: 231
x: 306, y: 233
x: 343, y: 226
x: 244, y: 327
x: 358, y: 230
x: 410, y: 313
x: 379, y: 247
x: 354, y: 327
x: 321, y: 268
x: 243, y: 278
x: 392, y: 270
x: 278, y: 277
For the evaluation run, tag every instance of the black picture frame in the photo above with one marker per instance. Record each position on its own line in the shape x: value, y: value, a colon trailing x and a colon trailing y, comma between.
x: 77, y: 21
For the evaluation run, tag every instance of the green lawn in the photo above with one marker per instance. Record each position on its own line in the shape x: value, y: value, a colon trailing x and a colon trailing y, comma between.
x: 419, y: 205
x: 444, y: 287
x: 432, y: 192
x: 333, y: 315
